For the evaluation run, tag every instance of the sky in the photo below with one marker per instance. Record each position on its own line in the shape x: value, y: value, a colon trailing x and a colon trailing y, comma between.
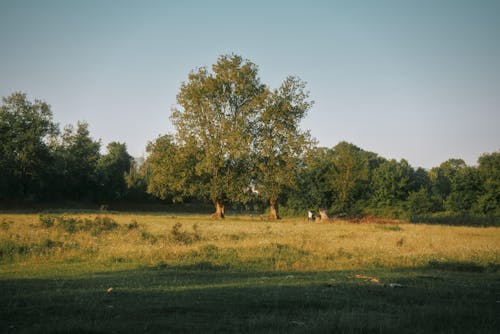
x: 418, y: 80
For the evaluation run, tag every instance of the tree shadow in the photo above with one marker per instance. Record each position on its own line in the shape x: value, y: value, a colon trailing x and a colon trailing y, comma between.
x: 212, y: 299
x: 457, y: 220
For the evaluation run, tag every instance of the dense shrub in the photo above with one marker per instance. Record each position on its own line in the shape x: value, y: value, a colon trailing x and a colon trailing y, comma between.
x: 9, y: 249
x: 67, y: 224
x: 99, y: 225
x: 95, y: 226
x: 47, y: 246
x: 183, y: 237
x: 46, y: 221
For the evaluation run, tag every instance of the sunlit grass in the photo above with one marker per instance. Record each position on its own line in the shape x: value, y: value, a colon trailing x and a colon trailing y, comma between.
x: 244, y: 243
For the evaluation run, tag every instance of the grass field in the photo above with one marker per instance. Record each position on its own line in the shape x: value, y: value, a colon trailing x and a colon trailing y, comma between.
x: 97, y: 273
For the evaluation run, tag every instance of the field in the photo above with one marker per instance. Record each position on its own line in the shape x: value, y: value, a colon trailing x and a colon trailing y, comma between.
x: 102, y: 273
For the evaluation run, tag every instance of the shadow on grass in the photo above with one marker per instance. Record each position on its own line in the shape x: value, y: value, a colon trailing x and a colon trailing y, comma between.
x: 211, y: 299
x: 457, y: 220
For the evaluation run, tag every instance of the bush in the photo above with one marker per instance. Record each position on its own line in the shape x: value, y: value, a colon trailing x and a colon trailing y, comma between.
x: 46, y: 246
x: 99, y: 225
x: 72, y: 225
x: 183, y: 237
x: 133, y: 225
x: 46, y: 221
x: 419, y: 202
x: 67, y: 224
x: 10, y: 249
x: 145, y: 235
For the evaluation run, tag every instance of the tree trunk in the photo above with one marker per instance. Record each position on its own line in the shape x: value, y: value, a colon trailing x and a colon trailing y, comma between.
x: 273, y: 211
x: 219, y: 211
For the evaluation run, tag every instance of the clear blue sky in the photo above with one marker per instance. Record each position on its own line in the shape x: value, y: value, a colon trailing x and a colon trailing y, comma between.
x: 406, y: 79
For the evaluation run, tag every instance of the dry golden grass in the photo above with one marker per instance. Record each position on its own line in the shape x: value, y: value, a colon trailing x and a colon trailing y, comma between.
x: 247, y: 242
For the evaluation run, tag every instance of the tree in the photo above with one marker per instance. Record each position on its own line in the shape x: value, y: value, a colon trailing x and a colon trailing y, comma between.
x: 350, y: 169
x: 112, y: 168
x: 489, y: 171
x: 216, y: 118
x: 279, y: 143
x: 170, y: 169
x: 465, y: 188
x: 313, y: 190
x: 392, y: 182
x: 136, y: 181
x: 25, y: 129
x: 419, y: 202
x: 455, y: 185
x: 77, y: 156
x: 441, y: 178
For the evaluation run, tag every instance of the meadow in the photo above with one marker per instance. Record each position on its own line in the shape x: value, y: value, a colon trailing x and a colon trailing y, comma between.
x: 124, y: 272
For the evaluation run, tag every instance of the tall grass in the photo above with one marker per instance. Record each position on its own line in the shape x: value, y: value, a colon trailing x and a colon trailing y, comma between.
x: 241, y: 243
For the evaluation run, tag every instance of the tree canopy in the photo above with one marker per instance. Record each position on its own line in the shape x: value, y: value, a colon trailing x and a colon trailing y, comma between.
x: 242, y: 137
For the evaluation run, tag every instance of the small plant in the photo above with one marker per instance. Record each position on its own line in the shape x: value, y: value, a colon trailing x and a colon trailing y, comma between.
x: 46, y: 246
x: 133, y: 225
x: 72, y: 225
x: 46, y: 221
x: 183, y: 237
x: 145, y: 235
x: 99, y: 225
x: 238, y: 236
x: 197, y: 233
x: 67, y: 224
x: 210, y: 251
x: 9, y: 249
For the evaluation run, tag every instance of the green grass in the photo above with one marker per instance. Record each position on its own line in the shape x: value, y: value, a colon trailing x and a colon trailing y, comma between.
x: 189, y: 274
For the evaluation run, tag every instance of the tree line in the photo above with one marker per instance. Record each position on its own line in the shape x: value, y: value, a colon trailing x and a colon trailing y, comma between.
x: 238, y: 143
x: 39, y: 162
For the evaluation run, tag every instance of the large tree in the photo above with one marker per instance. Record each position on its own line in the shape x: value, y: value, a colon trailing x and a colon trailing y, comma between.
x: 313, y: 190
x: 77, y: 156
x: 441, y: 179
x: 350, y: 170
x: 25, y: 130
x: 279, y: 142
x: 216, y: 116
x: 465, y: 189
x: 489, y: 169
x: 111, y: 170
x: 392, y: 182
